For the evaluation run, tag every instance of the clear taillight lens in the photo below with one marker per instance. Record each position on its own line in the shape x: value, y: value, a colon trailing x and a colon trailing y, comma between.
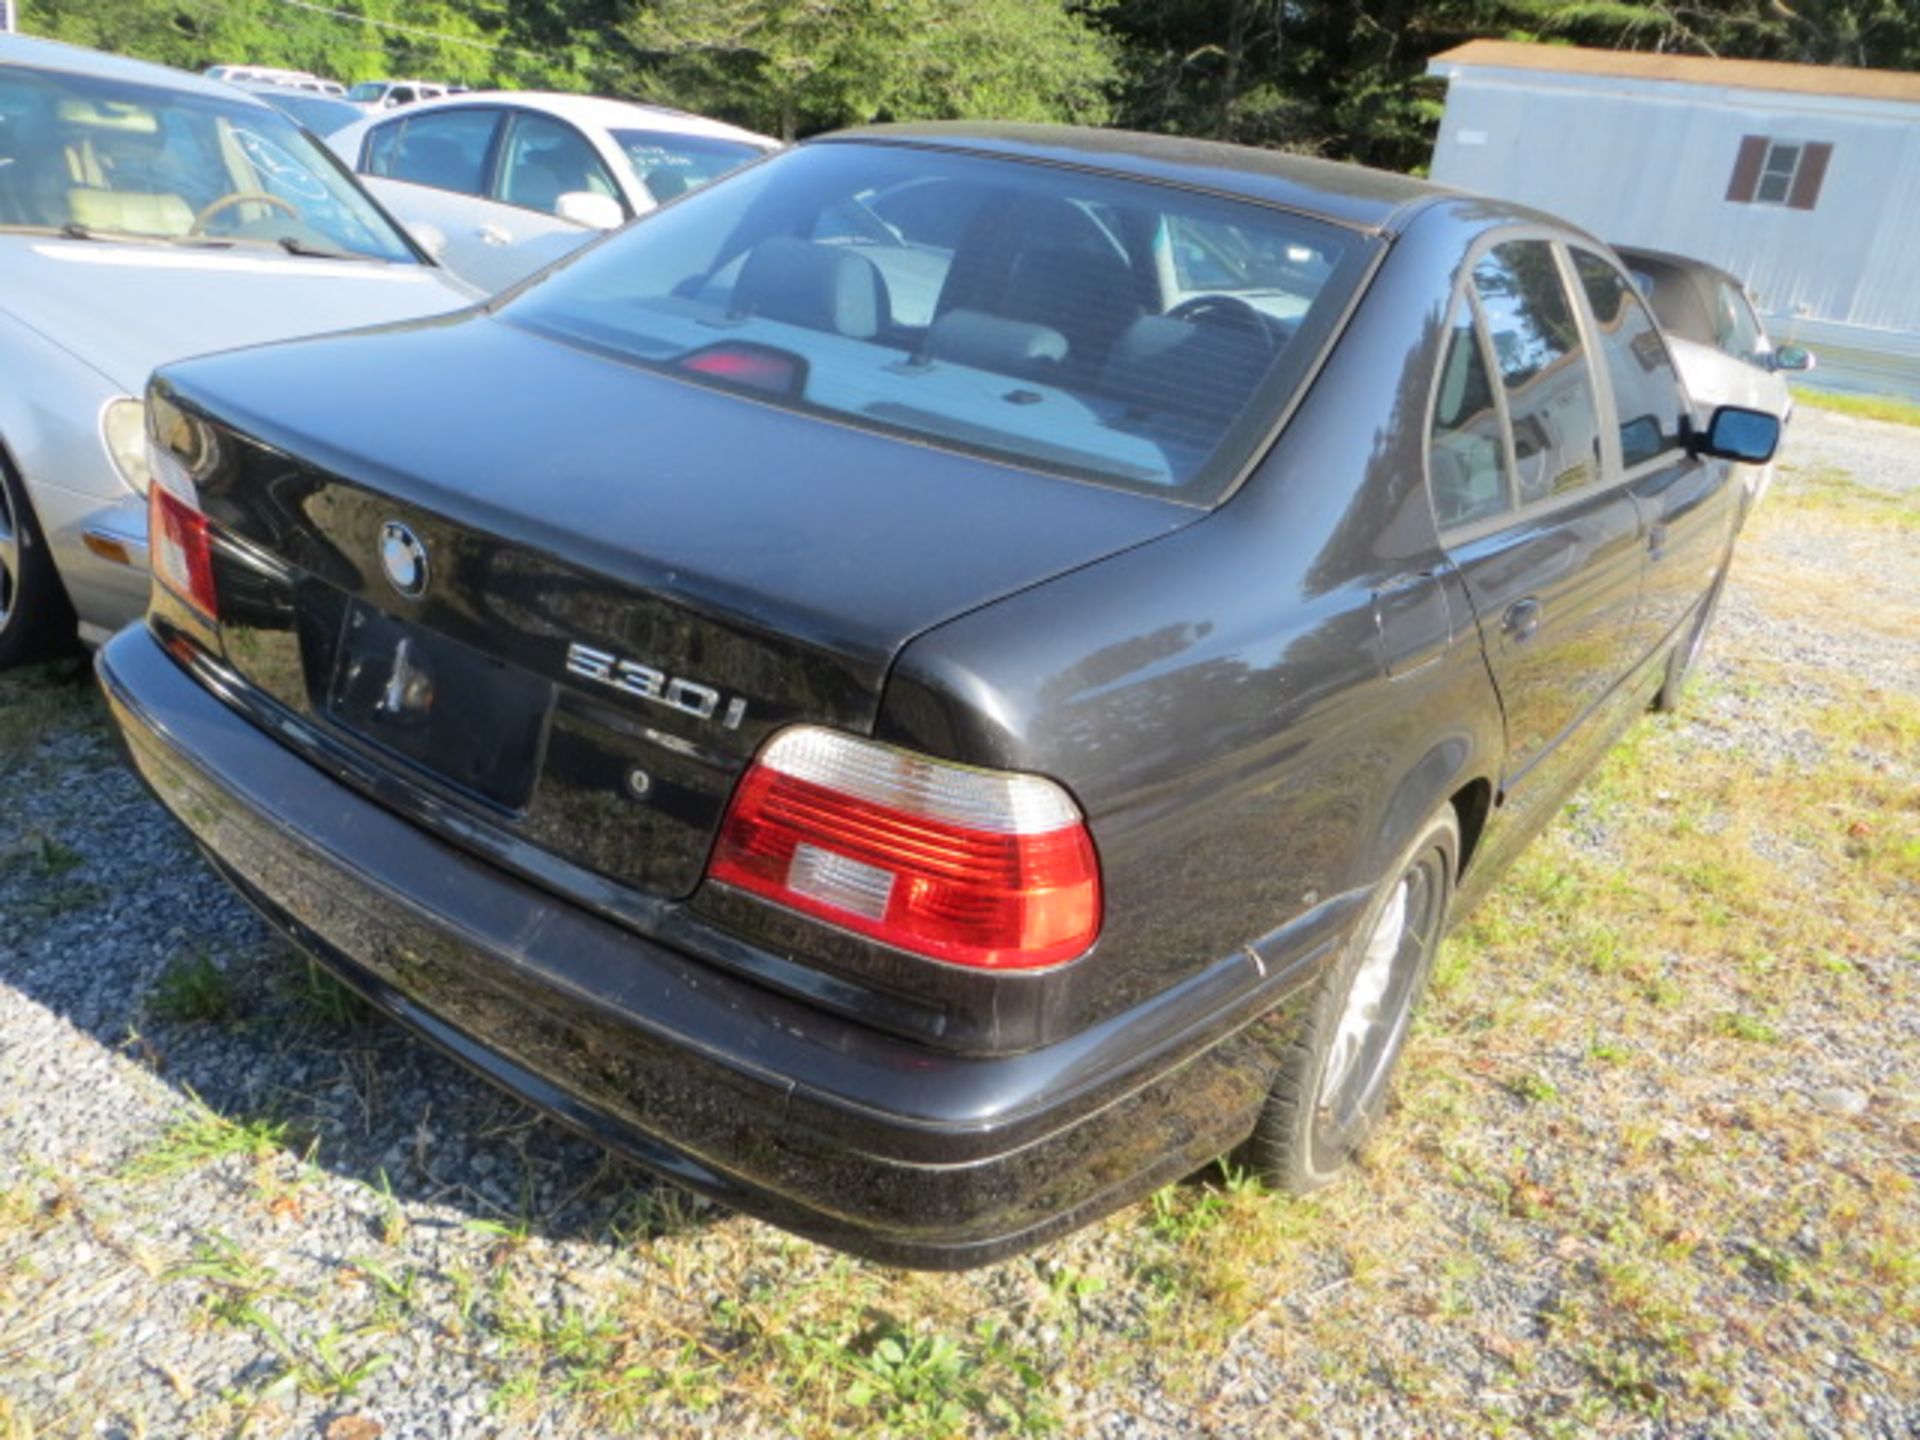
x: 974, y: 867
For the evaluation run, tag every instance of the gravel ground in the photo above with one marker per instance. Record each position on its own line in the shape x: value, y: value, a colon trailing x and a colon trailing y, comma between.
x: 230, y: 1203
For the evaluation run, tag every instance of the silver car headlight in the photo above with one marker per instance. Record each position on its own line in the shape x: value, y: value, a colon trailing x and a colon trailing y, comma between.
x: 123, y: 428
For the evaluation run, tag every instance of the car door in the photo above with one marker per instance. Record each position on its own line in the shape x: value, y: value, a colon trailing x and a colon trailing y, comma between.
x: 435, y: 168
x: 1548, y: 547
x: 1688, y: 505
x: 541, y: 159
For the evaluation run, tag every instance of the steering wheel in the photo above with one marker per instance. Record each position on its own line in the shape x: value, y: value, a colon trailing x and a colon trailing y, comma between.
x: 1228, y: 311
x: 226, y: 202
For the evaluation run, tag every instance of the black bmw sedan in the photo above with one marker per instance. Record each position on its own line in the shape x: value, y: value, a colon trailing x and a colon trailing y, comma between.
x: 945, y: 680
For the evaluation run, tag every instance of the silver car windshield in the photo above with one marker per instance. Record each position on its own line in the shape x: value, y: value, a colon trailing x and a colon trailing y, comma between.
x: 94, y: 158
x: 1136, y: 334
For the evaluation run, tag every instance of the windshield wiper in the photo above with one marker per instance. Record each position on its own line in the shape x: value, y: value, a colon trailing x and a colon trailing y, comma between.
x: 294, y: 245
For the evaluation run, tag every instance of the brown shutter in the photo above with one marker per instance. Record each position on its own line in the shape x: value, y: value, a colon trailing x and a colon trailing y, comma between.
x: 1746, y: 169
x: 1806, y: 180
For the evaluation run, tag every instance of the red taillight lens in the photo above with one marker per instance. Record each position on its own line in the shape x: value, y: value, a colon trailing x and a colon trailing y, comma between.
x: 758, y: 367
x: 974, y: 867
x: 182, y: 555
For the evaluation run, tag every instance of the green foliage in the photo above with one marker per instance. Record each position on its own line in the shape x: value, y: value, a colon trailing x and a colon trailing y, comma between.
x: 1344, y: 80
x: 796, y: 66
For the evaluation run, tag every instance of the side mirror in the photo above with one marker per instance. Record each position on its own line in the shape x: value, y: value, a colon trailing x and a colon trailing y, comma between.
x: 585, y: 207
x: 1792, y: 357
x: 1749, y: 436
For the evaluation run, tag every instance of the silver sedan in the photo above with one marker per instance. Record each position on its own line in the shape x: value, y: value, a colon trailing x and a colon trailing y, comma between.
x: 148, y: 215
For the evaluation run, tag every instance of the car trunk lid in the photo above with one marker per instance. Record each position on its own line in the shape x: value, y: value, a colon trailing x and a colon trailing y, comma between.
x: 629, y: 580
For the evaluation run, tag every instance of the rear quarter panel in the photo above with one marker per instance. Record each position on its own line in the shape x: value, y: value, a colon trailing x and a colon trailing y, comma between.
x: 1218, y: 701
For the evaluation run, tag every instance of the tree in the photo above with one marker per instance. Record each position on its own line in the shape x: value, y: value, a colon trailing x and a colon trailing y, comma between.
x: 793, y: 66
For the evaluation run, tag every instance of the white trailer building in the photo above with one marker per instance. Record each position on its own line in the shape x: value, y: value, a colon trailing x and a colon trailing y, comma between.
x: 1803, y: 180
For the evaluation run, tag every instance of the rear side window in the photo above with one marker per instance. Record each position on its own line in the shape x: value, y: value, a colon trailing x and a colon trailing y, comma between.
x: 447, y: 150
x: 1044, y: 316
x: 1543, y: 367
x: 1466, y: 458
x: 1646, y: 392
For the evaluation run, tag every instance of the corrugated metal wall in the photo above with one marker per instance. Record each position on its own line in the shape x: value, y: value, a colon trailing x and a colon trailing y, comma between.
x: 1648, y: 164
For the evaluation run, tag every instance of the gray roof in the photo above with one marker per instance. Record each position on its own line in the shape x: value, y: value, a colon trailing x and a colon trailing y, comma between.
x: 1350, y: 195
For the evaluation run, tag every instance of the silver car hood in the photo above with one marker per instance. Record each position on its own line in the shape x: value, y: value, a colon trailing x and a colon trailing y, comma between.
x: 125, y: 309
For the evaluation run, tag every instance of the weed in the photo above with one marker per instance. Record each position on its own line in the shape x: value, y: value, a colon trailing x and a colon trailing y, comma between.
x: 203, y: 1136
x: 322, y: 1000
x: 193, y: 989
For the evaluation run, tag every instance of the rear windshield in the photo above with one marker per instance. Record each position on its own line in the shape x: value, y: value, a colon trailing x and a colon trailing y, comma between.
x: 1136, y: 334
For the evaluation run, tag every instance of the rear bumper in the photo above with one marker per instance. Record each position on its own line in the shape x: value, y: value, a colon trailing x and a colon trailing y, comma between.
x: 863, y: 1140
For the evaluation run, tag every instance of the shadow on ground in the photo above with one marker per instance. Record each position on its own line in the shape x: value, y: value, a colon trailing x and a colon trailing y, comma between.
x: 111, y: 919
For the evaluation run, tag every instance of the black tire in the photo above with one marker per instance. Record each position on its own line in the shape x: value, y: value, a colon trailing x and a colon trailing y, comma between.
x: 35, y: 618
x: 1314, y: 1121
x: 1685, y: 656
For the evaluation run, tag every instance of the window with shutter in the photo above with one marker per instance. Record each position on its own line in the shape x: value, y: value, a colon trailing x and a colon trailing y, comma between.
x: 1779, y: 172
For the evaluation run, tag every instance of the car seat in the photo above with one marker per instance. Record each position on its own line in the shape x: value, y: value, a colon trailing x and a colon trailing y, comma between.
x: 818, y: 287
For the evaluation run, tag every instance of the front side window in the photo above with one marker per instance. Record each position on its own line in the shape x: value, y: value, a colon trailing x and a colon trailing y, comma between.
x: 1466, y: 457
x: 447, y: 150
x: 1737, y: 329
x: 1543, y: 368
x: 102, y: 158
x: 547, y: 158
x: 1036, y: 322
x: 1646, y: 391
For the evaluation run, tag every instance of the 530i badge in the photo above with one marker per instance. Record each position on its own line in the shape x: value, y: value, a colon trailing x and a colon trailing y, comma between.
x: 1142, y: 591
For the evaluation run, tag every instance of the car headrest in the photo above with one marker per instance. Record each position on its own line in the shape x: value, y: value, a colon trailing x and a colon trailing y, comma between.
x: 1192, y: 371
x: 989, y: 342
x: 820, y: 287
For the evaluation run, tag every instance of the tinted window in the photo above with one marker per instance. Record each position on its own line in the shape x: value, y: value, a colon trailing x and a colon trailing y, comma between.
x: 1049, y: 332
x: 1646, y: 392
x: 1556, y: 435
x: 1466, y: 461
x: 547, y: 158
x: 447, y: 150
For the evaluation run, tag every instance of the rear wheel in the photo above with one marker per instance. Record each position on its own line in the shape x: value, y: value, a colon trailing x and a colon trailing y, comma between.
x: 1333, y: 1083
x: 35, y: 618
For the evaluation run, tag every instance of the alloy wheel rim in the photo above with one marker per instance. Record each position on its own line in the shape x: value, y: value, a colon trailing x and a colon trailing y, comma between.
x: 1374, y: 1013
x: 9, y: 556
x: 1361, y: 1013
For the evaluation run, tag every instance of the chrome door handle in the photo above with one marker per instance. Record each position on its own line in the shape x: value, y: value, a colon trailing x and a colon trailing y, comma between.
x: 1521, y: 620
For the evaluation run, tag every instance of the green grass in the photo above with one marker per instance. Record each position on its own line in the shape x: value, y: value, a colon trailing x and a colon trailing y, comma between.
x: 1868, y: 407
x: 203, y: 1136
x: 193, y: 989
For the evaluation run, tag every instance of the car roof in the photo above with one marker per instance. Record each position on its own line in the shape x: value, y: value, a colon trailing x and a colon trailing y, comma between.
x: 40, y: 54
x: 1351, y: 195
x: 595, y: 111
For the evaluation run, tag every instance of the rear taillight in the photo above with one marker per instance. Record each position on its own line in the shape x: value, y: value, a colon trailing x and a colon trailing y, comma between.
x: 177, y: 536
x: 973, y: 867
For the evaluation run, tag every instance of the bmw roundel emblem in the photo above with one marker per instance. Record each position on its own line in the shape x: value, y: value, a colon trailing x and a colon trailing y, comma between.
x: 404, y: 559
